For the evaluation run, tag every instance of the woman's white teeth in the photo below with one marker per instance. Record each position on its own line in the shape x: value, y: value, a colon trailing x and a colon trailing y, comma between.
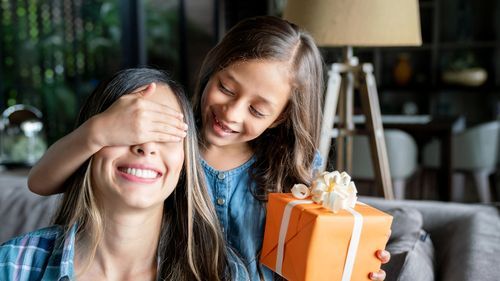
x: 141, y: 173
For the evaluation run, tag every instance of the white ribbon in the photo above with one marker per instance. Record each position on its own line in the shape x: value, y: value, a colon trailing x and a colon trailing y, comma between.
x: 283, y: 229
x: 351, y: 251
x: 300, y: 191
x: 353, y: 245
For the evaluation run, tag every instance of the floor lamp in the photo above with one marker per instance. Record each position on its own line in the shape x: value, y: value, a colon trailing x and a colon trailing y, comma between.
x: 348, y: 24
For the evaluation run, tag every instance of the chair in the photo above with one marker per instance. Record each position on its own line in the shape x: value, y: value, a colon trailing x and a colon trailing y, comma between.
x: 402, y: 155
x: 474, y: 151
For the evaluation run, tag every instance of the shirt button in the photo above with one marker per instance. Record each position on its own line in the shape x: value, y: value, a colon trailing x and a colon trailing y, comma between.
x: 220, y: 201
x: 221, y: 176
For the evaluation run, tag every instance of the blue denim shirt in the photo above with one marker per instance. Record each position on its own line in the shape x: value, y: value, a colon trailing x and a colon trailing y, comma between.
x: 242, y: 217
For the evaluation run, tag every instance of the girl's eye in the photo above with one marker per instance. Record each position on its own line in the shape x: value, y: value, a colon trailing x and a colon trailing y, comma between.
x: 256, y: 113
x: 225, y: 90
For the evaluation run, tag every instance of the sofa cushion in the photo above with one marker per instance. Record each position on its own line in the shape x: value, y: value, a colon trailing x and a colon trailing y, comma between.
x: 412, y: 252
x: 21, y: 210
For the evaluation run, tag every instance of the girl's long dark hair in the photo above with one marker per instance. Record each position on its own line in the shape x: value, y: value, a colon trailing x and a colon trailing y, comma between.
x: 285, y: 153
x: 191, y: 245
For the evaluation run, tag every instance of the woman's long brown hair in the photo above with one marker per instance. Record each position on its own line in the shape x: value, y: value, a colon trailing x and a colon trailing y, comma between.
x: 191, y: 245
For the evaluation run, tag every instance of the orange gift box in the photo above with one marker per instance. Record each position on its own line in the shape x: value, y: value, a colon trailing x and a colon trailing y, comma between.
x: 317, y: 240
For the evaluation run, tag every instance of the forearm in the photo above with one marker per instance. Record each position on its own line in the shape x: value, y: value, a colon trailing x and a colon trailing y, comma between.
x: 62, y: 159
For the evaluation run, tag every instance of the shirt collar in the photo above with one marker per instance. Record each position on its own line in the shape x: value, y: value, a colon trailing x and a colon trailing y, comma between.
x: 236, y: 170
x: 68, y: 254
x: 63, y: 255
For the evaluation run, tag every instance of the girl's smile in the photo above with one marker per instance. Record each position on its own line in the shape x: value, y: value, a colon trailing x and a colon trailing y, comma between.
x: 220, y: 128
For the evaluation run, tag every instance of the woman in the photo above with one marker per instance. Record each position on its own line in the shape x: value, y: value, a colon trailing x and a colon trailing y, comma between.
x: 138, y: 212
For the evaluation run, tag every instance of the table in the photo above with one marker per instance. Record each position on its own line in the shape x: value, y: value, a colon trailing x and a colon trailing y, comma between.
x: 423, y: 128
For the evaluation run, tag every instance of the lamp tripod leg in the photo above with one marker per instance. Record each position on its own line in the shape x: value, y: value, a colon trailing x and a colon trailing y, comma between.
x: 371, y: 109
x: 329, y: 111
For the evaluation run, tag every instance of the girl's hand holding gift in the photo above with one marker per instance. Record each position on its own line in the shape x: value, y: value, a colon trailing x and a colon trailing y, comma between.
x: 384, y: 256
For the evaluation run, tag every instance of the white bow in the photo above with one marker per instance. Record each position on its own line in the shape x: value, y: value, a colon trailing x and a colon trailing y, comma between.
x: 334, y: 191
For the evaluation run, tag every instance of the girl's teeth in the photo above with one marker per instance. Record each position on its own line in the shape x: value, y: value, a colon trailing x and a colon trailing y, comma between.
x: 224, y: 128
x: 141, y: 173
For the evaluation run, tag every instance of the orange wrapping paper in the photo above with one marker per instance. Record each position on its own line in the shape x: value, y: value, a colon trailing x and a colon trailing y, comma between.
x: 317, y: 240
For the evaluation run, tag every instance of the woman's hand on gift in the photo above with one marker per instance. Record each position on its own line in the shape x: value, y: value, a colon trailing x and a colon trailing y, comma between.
x: 384, y: 257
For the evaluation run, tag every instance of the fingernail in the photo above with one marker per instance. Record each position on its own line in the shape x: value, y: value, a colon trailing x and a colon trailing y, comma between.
x: 374, y: 276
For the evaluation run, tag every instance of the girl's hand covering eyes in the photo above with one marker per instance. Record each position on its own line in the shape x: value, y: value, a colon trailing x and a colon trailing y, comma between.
x: 135, y: 120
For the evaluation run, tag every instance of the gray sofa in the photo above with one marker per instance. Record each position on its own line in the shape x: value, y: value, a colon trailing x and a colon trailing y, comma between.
x: 21, y: 210
x: 466, y: 238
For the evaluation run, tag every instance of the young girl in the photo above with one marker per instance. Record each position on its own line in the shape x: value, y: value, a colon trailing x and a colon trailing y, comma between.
x: 257, y: 108
x: 138, y: 212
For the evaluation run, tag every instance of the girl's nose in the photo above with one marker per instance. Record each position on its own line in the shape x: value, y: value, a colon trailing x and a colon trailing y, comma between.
x: 145, y: 149
x: 234, y: 112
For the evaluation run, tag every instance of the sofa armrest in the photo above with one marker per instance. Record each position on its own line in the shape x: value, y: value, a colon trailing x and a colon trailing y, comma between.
x: 466, y: 237
x: 469, y: 249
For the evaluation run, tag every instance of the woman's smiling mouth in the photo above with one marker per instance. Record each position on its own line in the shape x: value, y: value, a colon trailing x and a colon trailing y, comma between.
x: 137, y: 174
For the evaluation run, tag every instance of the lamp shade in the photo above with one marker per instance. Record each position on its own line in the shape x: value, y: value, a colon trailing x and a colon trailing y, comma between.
x: 358, y: 22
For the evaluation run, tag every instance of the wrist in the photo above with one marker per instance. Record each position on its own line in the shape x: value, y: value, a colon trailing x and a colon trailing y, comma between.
x: 91, y: 129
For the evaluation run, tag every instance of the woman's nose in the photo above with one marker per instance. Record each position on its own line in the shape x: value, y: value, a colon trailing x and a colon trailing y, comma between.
x: 145, y: 149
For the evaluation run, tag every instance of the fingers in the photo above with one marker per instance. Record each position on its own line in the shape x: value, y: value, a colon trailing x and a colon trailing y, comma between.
x: 163, y: 120
x: 380, y: 275
x: 148, y: 105
x: 165, y: 109
x: 164, y: 132
x: 143, y: 120
x: 162, y: 137
x: 150, y: 126
x: 384, y: 256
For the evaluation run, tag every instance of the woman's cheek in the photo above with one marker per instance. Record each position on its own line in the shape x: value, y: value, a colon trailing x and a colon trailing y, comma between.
x: 175, y: 161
